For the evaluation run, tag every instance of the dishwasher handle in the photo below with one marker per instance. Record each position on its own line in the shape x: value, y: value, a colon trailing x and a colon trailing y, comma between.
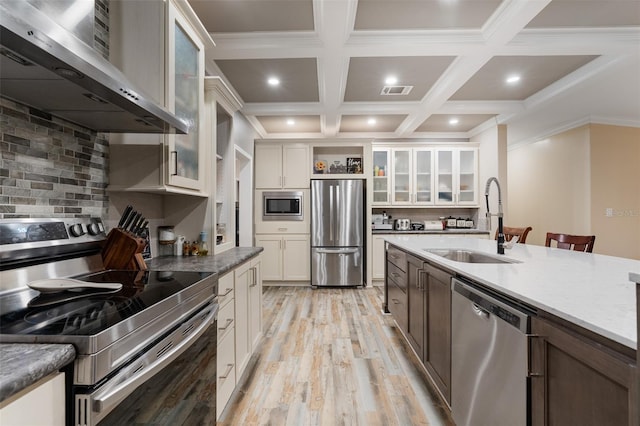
x: 485, y: 305
x: 479, y: 311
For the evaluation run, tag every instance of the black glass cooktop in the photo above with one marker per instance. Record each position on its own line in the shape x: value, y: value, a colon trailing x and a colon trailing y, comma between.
x: 89, y: 312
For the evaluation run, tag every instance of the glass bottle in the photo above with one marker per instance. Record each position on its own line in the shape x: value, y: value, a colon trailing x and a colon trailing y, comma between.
x: 203, y: 250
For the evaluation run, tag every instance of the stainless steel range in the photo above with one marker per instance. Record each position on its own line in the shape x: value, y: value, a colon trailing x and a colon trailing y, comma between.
x: 122, y: 337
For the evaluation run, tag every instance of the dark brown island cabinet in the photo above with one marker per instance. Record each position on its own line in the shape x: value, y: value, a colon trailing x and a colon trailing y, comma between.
x: 576, y: 376
x: 580, y: 379
x: 429, y: 316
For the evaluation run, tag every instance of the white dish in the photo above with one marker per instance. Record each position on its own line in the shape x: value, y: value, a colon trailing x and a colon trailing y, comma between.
x: 52, y: 285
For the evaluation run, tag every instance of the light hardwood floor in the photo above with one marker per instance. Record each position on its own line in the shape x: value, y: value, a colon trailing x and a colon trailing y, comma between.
x: 330, y: 357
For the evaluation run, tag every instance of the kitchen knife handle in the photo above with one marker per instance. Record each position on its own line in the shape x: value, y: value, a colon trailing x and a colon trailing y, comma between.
x: 175, y: 163
x: 142, y: 227
x: 125, y: 215
x: 134, y: 222
x: 132, y: 215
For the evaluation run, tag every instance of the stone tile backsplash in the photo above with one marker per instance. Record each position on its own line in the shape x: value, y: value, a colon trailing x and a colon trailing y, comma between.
x: 49, y: 167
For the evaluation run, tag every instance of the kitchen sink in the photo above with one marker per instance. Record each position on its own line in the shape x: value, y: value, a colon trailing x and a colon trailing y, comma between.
x: 469, y: 256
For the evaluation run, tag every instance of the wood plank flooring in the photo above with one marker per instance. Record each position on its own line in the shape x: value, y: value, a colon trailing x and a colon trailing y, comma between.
x: 329, y: 357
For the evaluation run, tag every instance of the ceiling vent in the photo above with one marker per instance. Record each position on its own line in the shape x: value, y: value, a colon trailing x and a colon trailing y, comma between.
x: 396, y: 90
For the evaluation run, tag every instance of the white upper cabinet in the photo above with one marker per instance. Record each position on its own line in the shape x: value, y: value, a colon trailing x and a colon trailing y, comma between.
x: 160, y: 46
x: 381, y: 177
x: 412, y: 177
x: 185, y: 53
x: 456, y: 179
x: 281, y: 166
x: 425, y: 176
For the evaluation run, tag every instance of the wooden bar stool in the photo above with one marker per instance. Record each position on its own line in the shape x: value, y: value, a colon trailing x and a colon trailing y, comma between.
x: 510, y: 232
x: 571, y: 242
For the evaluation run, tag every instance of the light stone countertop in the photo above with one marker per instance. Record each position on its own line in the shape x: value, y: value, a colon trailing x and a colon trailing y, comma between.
x: 22, y: 365
x: 590, y: 290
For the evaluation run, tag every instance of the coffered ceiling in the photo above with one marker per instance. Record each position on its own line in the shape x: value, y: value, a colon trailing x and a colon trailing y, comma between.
x: 450, y: 59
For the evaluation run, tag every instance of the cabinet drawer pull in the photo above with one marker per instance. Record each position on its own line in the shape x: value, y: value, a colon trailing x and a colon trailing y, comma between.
x: 227, y: 372
x: 395, y: 301
x: 535, y: 349
x: 229, y: 290
x: 226, y: 325
x: 395, y: 274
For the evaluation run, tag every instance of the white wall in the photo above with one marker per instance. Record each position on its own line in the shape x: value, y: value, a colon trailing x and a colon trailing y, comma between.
x: 549, y: 185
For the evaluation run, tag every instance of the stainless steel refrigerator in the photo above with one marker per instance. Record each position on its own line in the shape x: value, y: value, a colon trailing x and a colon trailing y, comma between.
x: 337, y: 232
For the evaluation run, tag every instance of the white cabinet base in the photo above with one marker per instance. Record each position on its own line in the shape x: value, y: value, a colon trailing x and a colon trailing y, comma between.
x: 41, y: 404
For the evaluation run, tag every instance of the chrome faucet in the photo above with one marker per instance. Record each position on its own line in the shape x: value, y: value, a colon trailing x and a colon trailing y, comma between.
x: 499, y: 214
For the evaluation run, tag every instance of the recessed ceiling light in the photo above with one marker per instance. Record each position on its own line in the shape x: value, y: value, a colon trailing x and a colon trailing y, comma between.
x: 273, y: 81
x: 390, y: 80
x: 513, y: 79
x: 371, y: 121
x: 291, y: 122
x: 453, y: 121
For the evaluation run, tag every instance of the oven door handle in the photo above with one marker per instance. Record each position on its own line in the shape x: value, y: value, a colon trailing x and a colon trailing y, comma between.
x: 109, y: 398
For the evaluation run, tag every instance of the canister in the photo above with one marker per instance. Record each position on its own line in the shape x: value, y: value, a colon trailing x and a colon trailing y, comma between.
x: 177, y: 247
x: 166, y: 235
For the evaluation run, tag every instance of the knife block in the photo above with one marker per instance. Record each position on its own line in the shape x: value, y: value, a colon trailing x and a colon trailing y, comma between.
x: 123, y: 250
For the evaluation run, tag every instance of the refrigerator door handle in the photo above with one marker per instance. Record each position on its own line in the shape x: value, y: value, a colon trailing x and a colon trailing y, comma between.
x: 331, y: 210
x: 337, y: 250
x: 337, y: 218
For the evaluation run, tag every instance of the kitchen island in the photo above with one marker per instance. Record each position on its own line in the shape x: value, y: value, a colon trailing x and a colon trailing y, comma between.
x: 582, y: 340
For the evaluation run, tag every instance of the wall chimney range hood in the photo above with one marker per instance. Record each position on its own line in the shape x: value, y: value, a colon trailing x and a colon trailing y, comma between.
x: 45, y: 66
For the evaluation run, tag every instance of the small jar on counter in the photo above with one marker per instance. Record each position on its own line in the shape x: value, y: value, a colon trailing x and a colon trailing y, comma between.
x: 452, y: 222
x: 203, y: 250
x: 461, y: 223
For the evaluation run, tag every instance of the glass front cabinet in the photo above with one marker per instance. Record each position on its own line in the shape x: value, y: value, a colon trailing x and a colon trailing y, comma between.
x: 186, y: 98
x: 456, y: 177
x: 381, y: 186
x: 412, y: 176
x: 425, y: 176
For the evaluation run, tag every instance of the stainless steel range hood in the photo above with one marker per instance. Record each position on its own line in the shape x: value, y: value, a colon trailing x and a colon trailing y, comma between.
x: 45, y: 66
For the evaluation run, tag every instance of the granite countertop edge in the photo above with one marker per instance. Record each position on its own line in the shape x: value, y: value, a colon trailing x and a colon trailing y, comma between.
x: 219, y: 263
x: 23, y: 364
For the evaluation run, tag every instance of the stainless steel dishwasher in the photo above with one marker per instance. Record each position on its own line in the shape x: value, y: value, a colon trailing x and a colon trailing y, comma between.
x: 489, y: 363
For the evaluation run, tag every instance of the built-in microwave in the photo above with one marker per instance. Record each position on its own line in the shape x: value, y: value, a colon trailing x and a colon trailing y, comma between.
x: 282, y: 205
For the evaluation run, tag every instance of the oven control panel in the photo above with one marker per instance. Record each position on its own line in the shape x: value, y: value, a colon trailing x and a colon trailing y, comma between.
x: 18, y: 231
x: 23, y: 238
